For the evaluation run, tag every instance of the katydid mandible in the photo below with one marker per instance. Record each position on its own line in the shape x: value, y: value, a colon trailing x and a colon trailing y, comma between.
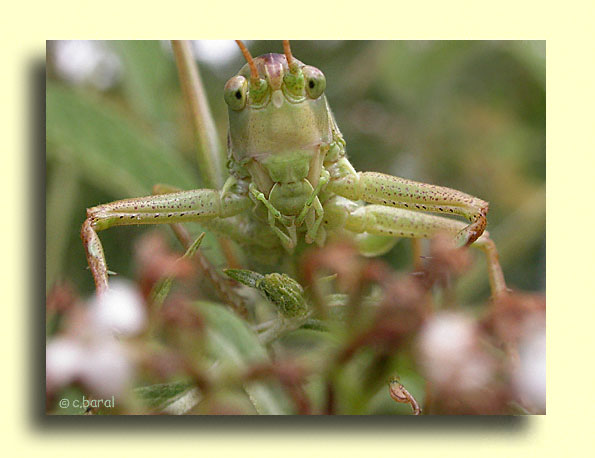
x: 290, y: 181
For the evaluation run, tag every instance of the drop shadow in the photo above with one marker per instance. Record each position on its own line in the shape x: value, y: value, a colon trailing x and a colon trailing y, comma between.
x: 36, y: 174
x: 504, y: 426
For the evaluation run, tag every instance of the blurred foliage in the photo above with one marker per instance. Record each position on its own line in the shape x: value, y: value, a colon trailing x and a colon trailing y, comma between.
x: 464, y: 114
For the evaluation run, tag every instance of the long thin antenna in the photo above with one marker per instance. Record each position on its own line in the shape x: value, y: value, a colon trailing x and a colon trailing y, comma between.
x: 253, y: 72
x: 287, y: 51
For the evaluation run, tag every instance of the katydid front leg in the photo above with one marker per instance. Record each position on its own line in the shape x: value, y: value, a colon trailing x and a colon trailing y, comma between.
x: 314, y: 233
x: 289, y: 240
x: 378, y: 188
x: 238, y: 228
x: 179, y: 207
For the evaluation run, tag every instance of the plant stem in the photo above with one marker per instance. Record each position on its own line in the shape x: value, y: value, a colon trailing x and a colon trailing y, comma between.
x: 209, y: 155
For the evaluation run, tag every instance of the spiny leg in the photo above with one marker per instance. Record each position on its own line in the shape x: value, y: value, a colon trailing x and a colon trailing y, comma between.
x: 397, y: 222
x: 378, y: 188
x: 238, y: 228
x: 95, y: 256
x: 176, y: 207
x: 178, y: 229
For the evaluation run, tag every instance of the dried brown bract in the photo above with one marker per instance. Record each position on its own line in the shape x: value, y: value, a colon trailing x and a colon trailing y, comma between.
x: 180, y: 314
x: 156, y: 261
x: 510, y: 316
x: 446, y: 261
x: 61, y: 298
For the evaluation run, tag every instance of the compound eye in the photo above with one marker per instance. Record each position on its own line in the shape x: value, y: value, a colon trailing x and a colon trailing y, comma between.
x: 315, y: 81
x: 235, y: 91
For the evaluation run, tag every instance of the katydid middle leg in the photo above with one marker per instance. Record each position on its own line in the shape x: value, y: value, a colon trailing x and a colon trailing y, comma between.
x: 378, y: 188
x: 390, y: 191
x: 383, y: 220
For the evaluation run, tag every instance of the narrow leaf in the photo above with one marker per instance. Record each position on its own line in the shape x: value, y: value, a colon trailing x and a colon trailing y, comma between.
x: 109, y: 149
x: 162, y: 394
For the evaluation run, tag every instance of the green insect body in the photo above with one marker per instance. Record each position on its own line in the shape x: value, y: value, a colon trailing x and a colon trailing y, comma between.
x: 290, y: 181
x: 278, y: 140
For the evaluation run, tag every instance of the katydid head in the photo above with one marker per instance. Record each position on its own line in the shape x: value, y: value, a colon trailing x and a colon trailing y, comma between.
x: 278, y: 118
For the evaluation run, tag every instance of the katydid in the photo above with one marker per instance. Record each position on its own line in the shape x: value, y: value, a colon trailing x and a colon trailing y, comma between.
x: 290, y: 181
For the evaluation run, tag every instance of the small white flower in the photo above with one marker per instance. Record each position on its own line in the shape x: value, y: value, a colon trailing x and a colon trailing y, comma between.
x: 92, y: 353
x: 63, y: 359
x: 449, y: 353
x: 216, y: 52
x: 107, y: 369
x: 87, y: 61
x: 102, y: 364
x: 530, y: 377
x: 118, y: 311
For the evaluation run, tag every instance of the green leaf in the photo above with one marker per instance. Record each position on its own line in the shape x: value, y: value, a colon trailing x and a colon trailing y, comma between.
x: 233, y: 343
x: 110, y: 150
x: 160, y: 395
x: 61, y: 193
x: 149, y: 81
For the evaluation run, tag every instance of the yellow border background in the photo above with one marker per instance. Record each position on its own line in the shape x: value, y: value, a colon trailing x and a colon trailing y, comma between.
x: 568, y: 29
